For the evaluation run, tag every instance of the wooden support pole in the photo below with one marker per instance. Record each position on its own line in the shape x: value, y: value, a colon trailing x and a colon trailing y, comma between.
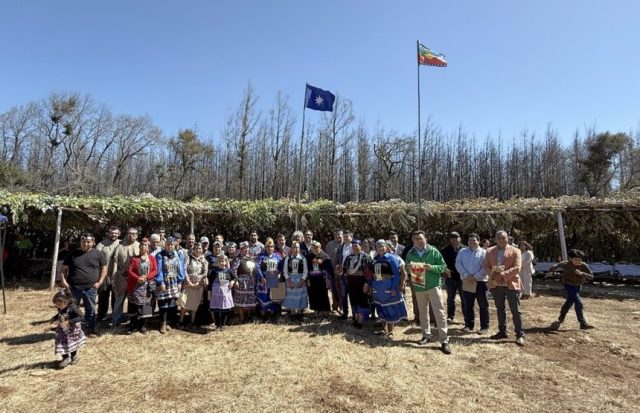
x: 56, y: 245
x: 563, y: 241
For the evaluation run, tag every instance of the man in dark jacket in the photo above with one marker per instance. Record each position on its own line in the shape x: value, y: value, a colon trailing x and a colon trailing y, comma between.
x: 452, y: 276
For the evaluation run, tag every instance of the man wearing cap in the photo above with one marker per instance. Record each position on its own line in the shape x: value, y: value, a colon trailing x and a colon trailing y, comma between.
x: 204, y: 241
x: 425, y: 264
x: 177, y: 243
x: 452, y: 281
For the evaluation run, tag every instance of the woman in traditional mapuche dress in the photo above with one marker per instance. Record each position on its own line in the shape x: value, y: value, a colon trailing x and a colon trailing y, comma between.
x: 142, y: 270
x: 244, y: 294
x: 168, y: 281
x: 385, y: 289
x: 268, y: 281
x: 195, y: 283
x: 357, y: 269
x: 319, y: 281
x: 295, y: 273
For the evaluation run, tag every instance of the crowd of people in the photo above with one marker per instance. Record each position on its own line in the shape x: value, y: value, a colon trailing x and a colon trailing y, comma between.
x: 221, y: 283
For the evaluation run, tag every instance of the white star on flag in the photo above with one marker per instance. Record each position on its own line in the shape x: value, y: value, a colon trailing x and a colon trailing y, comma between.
x: 319, y: 101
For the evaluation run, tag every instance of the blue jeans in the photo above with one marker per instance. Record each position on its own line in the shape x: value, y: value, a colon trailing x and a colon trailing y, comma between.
x: 573, y: 297
x: 88, y: 296
x: 344, y: 296
x: 453, y: 286
x: 500, y: 295
x: 483, y: 304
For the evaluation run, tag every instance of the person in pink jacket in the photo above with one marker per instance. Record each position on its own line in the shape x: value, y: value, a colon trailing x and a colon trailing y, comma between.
x: 502, y: 262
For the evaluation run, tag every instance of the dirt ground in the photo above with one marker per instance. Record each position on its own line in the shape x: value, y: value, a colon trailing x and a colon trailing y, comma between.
x: 331, y: 366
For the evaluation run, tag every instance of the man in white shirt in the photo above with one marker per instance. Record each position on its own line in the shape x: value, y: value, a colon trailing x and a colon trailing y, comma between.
x: 470, y: 265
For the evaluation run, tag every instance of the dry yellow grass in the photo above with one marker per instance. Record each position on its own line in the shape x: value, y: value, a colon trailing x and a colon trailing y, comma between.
x: 329, y: 366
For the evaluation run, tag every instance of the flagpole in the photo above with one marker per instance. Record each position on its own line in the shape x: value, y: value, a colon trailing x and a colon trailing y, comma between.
x: 419, y: 143
x: 304, y: 111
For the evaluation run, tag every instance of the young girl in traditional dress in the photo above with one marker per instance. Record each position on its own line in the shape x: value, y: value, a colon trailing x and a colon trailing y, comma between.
x: 69, y: 335
x: 221, y: 296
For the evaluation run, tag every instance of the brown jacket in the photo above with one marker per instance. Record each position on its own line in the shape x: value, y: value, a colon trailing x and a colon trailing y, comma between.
x: 510, y: 277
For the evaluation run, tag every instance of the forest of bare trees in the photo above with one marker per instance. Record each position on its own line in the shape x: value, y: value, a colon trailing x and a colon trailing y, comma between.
x: 71, y: 144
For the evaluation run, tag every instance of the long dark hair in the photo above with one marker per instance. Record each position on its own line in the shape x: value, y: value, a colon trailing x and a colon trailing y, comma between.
x: 63, y: 296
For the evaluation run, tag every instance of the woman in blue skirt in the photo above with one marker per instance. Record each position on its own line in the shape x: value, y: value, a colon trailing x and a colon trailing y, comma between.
x: 385, y: 290
x: 295, y: 274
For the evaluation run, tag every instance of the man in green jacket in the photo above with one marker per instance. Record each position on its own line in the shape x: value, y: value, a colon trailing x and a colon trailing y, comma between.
x: 425, y: 264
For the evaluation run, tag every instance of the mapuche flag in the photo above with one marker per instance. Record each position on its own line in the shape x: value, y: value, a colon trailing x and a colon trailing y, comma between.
x: 429, y: 57
x: 319, y: 99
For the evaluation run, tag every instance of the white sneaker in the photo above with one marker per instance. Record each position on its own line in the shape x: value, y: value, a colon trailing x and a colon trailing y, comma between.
x: 483, y: 331
x: 467, y: 330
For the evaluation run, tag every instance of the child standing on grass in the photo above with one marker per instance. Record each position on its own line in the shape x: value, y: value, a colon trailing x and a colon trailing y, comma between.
x: 574, y: 274
x: 221, y: 298
x: 69, y: 335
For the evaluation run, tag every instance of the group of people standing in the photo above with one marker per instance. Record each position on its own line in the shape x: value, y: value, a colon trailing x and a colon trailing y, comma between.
x: 215, y: 282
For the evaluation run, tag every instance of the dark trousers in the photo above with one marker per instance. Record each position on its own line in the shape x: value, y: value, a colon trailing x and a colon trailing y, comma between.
x: 137, y: 322
x: 573, y: 298
x: 453, y: 287
x: 222, y: 317
x: 500, y: 295
x: 104, y: 298
x: 469, y: 300
x: 88, y: 296
x: 344, y: 296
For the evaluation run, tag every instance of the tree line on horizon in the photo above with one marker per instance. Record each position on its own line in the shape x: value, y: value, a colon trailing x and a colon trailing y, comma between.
x: 70, y: 144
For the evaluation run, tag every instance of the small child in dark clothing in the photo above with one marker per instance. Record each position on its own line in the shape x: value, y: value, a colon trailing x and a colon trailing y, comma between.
x: 67, y: 323
x: 574, y: 274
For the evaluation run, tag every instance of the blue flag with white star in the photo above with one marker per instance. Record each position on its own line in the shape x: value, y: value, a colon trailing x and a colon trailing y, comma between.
x: 319, y: 99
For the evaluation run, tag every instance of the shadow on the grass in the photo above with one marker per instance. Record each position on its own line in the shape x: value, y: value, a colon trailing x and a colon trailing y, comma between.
x: 369, y: 335
x: 32, y: 366
x: 27, y: 339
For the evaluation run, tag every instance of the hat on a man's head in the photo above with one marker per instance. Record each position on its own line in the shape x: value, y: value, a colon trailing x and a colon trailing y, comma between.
x: 356, y: 242
x: 204, y: 240
x: 454, y: 234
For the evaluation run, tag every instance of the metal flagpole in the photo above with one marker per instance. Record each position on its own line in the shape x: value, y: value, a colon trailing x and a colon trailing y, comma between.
x: 419, y: 143
x: 301, y: 172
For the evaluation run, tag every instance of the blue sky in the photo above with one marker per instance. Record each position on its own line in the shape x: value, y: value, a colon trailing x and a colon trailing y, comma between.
x: 512, y: 64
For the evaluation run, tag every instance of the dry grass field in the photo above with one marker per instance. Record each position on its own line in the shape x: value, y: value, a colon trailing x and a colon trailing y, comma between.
x: 330, y: 366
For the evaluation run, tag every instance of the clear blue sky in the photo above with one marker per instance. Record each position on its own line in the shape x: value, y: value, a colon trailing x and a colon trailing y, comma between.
x: 511, y: 65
